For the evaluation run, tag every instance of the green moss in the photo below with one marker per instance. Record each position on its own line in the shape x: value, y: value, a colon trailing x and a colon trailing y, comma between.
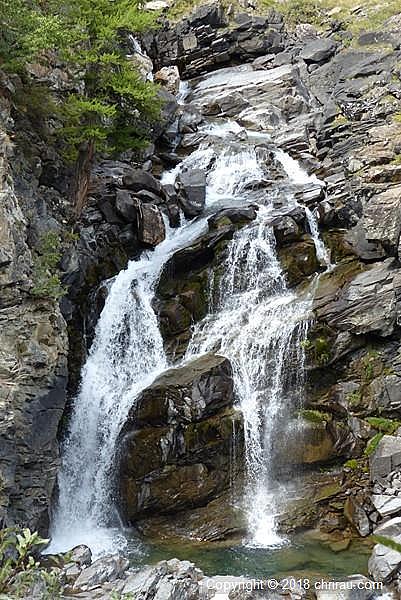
x: 388, y: 426
x: 371, y: 366
x: 318, y: 349
x: 45, y: 274
x: 354, y: 398
x: 315, y: 416
x: 373, y: 443
x: 351, y: 464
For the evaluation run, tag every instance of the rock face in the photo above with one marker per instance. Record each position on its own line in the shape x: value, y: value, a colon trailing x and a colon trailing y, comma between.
x: 204, y: 42
x: 33, y: 366
x: 177, y: 444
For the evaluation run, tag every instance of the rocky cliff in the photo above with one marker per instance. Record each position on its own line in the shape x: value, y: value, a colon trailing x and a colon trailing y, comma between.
x: 334, y: 106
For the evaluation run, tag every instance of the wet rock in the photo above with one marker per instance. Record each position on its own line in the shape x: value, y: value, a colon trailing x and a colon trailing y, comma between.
x: 298, y: 260
x: 193, y: 186
x: 355, y: 512
x: 137, y: 180
x: 176, y: 443
x: 81, y: 555
x: 310, y: 442
x: 151, y: 228
x: 168, y: 77
x: 286, y: 230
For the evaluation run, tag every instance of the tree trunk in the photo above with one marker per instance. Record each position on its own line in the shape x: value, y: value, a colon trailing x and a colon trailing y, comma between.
x: 82, y: 175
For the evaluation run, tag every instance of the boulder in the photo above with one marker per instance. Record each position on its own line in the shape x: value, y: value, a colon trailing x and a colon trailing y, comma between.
x: 298, y: 260
x: 137, y: 180
x: 318, y: 51
x: 151, y: 228
x: 127, y: 206
x: 386, y: 458
x: 385, y: 562
x: 168, y: 77
x: 382, y: 219
x: 193, y: 196
x: 176, y: 443
x: 101, y: 570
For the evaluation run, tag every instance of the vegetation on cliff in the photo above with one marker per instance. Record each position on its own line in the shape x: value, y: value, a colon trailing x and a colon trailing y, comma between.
x: 110, y: 107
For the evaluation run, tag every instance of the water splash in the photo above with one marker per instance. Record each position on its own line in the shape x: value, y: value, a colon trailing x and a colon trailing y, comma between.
x: 258, y: 324
x: 126, y: 355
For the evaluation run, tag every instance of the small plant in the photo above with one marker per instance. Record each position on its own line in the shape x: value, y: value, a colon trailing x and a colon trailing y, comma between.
x: 354, y: 398
x: 351, y: 464
x: 18, y: 566
x: 340, y: 120
x: 388, y: 542
x: 384, y: 425
x: 369, y: 363
x: 315, y: 416
x: 46, y: 275
x: 372, y: 444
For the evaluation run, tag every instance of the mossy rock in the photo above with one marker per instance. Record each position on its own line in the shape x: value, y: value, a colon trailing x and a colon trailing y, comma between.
x: 299, y: 260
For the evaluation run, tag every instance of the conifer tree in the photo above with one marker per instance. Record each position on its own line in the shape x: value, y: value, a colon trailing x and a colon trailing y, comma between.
x: 114, y: 107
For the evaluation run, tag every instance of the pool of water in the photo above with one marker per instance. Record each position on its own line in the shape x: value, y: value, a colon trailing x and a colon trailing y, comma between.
x: 300, y: 556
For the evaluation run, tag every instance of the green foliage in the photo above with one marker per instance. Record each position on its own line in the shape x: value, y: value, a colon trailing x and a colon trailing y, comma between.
x: 388, y: 542
x: 315, y: 416
x: 46, y: 275
x: 116, y: 107
x: 19, y: 569
x: 397, y: 117
x: 354, y: 398
x: 318, y: 349
x: 26, y: 30
x: 351, y: 464
x: 369, y: 364
x: 372, y: 444
x: 384, y: 425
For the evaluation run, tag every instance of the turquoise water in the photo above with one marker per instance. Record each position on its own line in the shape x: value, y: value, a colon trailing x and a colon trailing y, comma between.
x: 301, y: 556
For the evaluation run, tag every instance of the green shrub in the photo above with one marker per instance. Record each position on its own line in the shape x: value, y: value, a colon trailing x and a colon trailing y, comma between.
x: 351, y: 464
x: 45, y: 274
x: 19, y: 569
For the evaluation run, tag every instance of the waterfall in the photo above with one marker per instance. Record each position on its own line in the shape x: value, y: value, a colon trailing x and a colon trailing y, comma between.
x: 258, y: 324
x: 254, y: 320
x: 126, y: 355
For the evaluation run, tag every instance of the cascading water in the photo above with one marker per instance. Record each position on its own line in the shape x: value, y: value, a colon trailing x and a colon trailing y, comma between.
x: 258, y: 324
x: 126, y: 355
x: 254, y: 320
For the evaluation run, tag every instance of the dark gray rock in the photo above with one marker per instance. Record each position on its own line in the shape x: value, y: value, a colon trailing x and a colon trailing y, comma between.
x: 318, y: 51
x: 193, y: 196
x: 137, y: 180
x: 126, y: 205
x: 176, y: 443
x: 151, y: 228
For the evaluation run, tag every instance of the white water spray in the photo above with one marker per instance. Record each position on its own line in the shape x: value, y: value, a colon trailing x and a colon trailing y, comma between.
x: 126, y: 355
